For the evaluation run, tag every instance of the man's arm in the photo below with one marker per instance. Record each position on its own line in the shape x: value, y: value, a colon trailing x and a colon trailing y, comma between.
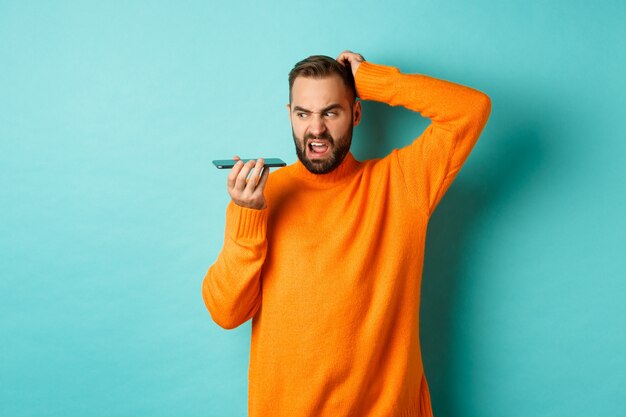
x: 231, y: 288
x: 458, y: 114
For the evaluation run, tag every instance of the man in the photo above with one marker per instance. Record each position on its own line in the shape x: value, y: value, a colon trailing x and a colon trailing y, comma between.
x: 325, y: 255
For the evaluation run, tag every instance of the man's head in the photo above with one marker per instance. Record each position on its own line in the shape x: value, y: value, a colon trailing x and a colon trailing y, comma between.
x: 323, y: 111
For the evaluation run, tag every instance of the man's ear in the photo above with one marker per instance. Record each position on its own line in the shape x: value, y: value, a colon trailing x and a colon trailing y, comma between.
x: 356, y: 113
x: 289, y: 110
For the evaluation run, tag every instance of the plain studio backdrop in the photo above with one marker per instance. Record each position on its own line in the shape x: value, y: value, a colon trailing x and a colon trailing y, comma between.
x: 111, y: 212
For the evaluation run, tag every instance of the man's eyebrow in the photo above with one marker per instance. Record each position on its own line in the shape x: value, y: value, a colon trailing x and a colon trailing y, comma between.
x: 324, y: 110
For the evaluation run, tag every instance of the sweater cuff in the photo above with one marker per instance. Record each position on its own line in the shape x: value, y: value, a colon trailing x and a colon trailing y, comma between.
x: 375, y: 81
x: 245, y: 223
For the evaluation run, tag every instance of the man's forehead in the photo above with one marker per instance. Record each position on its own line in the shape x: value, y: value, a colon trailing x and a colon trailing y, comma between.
x: 318, y: 90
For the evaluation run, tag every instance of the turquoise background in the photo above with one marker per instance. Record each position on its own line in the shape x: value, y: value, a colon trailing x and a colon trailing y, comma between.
x: 111, y: 211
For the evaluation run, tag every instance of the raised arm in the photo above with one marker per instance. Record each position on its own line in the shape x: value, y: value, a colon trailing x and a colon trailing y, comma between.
x: 458, y: 114
x: 231, y: 289
x: 232, y: 286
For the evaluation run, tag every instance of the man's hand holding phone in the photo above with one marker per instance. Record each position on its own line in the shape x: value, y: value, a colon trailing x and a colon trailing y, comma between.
x: 246, y: 182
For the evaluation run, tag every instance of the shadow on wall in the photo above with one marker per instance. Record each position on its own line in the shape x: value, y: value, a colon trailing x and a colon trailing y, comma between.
x: 382, y: 126
x: 449, y: 245
x: 515, y: 159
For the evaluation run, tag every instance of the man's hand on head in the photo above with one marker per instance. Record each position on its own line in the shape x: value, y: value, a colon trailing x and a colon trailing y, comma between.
x: 248, y: 191
x: 351, y: 58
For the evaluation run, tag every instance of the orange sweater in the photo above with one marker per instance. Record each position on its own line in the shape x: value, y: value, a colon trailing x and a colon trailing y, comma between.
x: 330, y: 271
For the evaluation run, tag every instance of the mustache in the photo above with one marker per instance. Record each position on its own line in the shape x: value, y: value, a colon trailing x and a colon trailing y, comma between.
x: 325, y: 136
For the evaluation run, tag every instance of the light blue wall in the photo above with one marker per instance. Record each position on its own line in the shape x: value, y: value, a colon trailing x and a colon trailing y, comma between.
x: 111, y: 213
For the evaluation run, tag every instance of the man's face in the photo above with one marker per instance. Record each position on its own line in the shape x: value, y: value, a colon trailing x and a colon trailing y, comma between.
x: 322, y: 115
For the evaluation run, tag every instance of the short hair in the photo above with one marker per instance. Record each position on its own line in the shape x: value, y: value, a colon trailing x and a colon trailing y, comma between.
x: 321, y: 66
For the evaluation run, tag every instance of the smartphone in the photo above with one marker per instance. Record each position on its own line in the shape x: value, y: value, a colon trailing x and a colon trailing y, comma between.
x: 229, y: 163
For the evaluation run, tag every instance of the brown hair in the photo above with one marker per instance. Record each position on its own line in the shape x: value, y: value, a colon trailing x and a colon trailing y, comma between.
x: 321, y: 66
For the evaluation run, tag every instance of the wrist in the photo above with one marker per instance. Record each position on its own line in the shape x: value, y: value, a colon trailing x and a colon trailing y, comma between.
x: 245, y: 222
x: 252, y: 206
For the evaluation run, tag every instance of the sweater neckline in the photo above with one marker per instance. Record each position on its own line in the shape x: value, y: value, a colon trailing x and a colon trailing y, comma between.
x: 348, y: 166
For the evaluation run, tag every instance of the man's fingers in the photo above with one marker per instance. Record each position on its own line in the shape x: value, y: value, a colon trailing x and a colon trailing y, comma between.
x: 343, y: 57
x: 240, y: 182
x: 246, y: 182
x: 350, y: 57
x: 232, y: 175
x: 263, y: 180
x: 254, y: 177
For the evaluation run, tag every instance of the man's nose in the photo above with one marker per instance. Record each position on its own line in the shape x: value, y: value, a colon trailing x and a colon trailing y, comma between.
x: 317, y: 126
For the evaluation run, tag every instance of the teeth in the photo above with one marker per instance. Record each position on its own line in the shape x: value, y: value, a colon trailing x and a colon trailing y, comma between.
x: 316, y: 144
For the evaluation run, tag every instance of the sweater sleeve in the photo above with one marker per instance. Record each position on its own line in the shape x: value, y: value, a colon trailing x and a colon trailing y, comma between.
x: 458, y: 115
x: 231, y: 288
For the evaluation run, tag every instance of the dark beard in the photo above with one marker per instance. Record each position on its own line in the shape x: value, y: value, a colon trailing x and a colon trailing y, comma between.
x: 338, y: 152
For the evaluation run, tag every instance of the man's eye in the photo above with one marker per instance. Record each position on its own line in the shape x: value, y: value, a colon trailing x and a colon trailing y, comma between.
x: 301, y: 115
x: 331, y: 114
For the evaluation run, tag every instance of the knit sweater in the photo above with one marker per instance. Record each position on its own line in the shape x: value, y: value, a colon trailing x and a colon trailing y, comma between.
x: 330, y: 271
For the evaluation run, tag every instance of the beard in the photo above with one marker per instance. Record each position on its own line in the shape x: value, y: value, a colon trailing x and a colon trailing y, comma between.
x: 339, y: 148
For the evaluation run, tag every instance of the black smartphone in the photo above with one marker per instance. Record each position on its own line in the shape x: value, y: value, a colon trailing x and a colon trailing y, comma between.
x: 229, y: 163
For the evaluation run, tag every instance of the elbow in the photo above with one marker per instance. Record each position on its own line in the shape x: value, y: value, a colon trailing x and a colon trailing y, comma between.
x: 226, y: 322
x: 481, y: 110
x: 221, y: 317
x: 226, y: 315
x: 232, y: 320
x: 219, y: 313
x: 484, y: 104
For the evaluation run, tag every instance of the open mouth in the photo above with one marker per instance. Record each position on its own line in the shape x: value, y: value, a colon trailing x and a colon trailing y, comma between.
x: 318, y: 148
